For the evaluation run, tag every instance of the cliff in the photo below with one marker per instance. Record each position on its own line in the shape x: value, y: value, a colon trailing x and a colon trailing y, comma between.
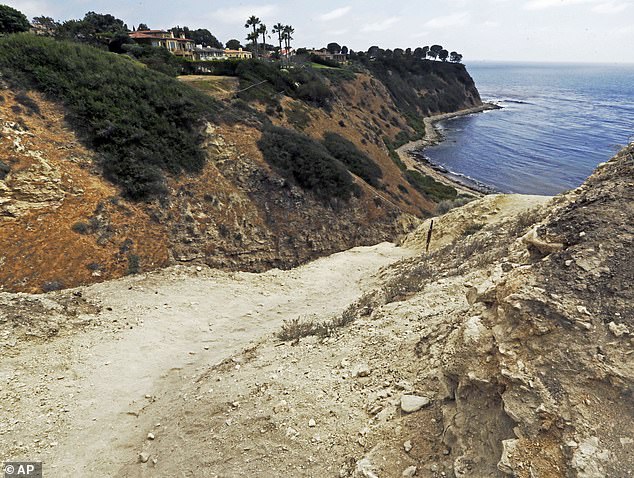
x: 109, y: 168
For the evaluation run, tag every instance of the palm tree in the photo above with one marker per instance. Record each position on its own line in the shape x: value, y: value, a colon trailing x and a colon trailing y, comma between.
x: 262, y: 30
x: 253, y: 22
x: 288, y: 36
x: 279, y: 29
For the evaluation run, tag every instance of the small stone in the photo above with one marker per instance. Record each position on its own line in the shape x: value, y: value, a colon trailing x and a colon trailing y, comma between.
x: 407, y: 446
x: 199, y: 269
x: 150, y: 436
x: 626, y: 441
x: 362, y: 370
x: 618, y: 329
x: 409, y: 471
x: 568, y: 263
x: 413, y: 403
x: 144, y: 456
x: 582, y: 309
x: 312, y: 423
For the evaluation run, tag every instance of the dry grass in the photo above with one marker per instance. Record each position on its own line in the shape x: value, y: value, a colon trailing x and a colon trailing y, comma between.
x: 295, y: 329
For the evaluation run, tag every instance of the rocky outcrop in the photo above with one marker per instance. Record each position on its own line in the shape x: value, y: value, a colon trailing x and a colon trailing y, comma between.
x: 540, y: 382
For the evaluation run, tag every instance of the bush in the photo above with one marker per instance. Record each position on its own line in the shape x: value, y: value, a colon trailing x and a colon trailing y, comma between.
x: 4, y: 169
x: 53, y: 285
x: 81, y: 228
x: 307, y: 162
x: 141, y: 123
x: 356, y: 161
x: 429, y: 186
x: 28, y: 102
x: 471, y: 229
x: 449, y: 204
x: 134, y: 264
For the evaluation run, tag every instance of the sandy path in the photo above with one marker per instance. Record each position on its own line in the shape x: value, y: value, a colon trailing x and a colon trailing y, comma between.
x: 74, y: 401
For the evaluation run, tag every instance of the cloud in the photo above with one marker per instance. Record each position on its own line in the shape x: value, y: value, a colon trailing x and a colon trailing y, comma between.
x: 455, y: 20
x: 240, y: 14
x: 544, y: 4
x: 380, y: 26
x: 610, y: 7
x: 334, y: 14
x: 337, y: 33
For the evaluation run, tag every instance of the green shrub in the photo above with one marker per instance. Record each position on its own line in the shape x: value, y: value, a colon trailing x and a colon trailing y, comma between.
x: 81, y: 228
x: 141, y: 123
x: 4, y: 169
x: 28, y: 102
x: 471, y: 229
x: 306, y: 162
x: 356, y: 161
x: 396, y: 159
x: 134, y: 264
x: 53, y: 285
x: 429, y: 186
x: 298, y: 116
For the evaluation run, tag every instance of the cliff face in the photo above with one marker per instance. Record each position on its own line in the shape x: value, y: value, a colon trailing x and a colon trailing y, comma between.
x: 62, y: 224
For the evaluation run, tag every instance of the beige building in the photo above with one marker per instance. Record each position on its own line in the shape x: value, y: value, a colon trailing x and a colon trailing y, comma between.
x: 182, y: 46
x: 238, y: 54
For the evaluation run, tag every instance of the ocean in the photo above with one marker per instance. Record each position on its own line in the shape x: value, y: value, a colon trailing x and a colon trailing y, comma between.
x: 557, y: 122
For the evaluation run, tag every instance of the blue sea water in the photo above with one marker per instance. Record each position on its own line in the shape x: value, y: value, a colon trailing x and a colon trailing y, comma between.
x: 556, y: 124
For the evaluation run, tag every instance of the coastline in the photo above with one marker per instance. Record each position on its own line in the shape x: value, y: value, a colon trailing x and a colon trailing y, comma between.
x: 432, y: 137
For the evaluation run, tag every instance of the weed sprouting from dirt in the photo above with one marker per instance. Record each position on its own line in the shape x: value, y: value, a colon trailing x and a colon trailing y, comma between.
x: 301, y: 327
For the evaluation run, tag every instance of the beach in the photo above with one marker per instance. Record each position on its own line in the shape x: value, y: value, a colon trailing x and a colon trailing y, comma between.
x: 432, y: 137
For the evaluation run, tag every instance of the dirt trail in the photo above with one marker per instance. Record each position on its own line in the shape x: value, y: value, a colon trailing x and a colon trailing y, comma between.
x: 74, y: 402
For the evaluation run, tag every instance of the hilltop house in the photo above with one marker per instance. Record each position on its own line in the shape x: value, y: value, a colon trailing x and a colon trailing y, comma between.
x: 209, y: 54
x: 182, y: 46
x: 238, y: 54
x: 326, y: 55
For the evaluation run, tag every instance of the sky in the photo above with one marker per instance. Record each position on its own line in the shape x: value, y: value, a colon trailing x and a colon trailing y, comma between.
x: 495, y: 30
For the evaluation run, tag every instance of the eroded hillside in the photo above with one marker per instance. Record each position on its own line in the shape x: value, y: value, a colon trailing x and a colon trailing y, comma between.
x: 505, y: 351
x: 63, y: 224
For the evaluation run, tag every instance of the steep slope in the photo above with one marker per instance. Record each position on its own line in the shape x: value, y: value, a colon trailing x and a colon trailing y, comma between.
x: 505, y: 352
x: 222, y: 203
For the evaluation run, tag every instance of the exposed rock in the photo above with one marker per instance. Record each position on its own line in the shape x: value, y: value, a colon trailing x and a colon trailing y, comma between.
x: 413, y: 403
x: 409, y: 471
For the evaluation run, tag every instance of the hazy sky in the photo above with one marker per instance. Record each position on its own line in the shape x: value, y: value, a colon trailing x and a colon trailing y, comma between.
x: 528, y: 30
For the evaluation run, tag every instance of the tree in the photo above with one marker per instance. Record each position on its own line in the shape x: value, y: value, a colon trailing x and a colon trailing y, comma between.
x: 45, y: 26
x: 344, y: 50
x: 253, y: 22
x: 443, y: 54
x: 434, y: 51
x: 288, y: 36
x: 233, y: 44
x: 333, y: 48
x: 425, y: 52
x: 399, y: 52
x: 263, y: 30
x: 142, y: 27
x: 455, y: 57
x: 253, y: 38
x: 12, y: 20
x: 373, y: 51
x: 96, y: 29
x: 203, y: 37
x: 279, y: 29
x: 408, y: 51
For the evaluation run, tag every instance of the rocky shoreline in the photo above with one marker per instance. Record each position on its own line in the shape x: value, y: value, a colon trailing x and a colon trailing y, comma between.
x: 412, y: 153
